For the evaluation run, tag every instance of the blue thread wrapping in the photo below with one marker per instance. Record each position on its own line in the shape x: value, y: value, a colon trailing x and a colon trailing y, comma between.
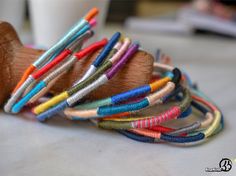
x: 19, y: 105
x: 179, y: 139
x: 165, y: 137
x: 170, y: 138
x: 130, y: 94
x: 78, y: 118
x: 186, y: 113
x: 49, y: 113
x: 199, y: 107
x: 109, y: 110
x: 222, y: 120
x: 169, y: 74
x: 106, y: 49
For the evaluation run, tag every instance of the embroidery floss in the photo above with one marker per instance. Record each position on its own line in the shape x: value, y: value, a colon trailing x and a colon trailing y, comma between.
x: 170, y: 88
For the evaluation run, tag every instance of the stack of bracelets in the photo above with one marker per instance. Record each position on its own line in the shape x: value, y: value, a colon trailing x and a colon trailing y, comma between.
x: 170, y: 88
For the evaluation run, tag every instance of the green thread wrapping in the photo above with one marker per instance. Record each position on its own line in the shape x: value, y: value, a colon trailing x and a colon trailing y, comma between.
x: 185, y: 103
x: 105, y: 66
x: 95, y: 104
x: 114, y: 125
x: 111, y: 54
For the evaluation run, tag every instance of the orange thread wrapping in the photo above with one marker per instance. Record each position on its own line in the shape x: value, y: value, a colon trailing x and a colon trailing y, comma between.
x: 26, y: 74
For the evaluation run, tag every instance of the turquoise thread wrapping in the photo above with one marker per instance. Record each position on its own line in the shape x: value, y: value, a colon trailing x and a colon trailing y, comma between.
x: 95, y: 104
x: 107, y: 110
x: 38, y: 63
x: 19, y: 105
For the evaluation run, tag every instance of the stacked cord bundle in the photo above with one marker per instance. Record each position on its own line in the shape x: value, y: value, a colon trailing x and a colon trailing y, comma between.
x: 171, y: 88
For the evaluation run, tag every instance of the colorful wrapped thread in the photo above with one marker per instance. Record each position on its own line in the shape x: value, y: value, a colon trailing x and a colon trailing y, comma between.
x: 62, y: 42
x: 70, y: 101
x: 79, y: 84
x: 26, y: 79
x: 171, y: 88
x: 78, y: 56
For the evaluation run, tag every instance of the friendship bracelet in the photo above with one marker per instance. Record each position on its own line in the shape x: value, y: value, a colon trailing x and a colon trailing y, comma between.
x: 116, y: 99
x: 100, y: 81
x: 104, y: 67
x: 45, y: 90
x: 188, y: 129
x: 147, y: 122
x: 170, y: 89
x: 80, y: 33
x: 156, y: 137
x: 196, y: 125
x: 78, y: 56
x: 38, y: 63
x: 27, y: 79
x: 148, y: 101
x: 110, y: 110
x: 53, y: 76
x: 33, y: 77
x: 123, y: 117
x: 101, y: 57
x: 62, y: 96
x: 42, y: 84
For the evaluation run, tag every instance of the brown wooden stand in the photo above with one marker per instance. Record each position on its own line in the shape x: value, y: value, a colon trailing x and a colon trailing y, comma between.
x: 15, y: 58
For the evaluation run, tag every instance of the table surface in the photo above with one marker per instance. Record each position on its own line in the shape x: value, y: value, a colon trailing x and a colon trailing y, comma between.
x: 61, y: 147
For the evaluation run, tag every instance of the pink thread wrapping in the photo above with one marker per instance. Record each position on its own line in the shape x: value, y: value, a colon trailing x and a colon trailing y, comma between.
x: 171, y: 113
x: 93, y: 22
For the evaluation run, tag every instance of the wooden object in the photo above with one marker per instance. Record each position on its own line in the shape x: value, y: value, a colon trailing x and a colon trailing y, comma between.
x: 15, y: 58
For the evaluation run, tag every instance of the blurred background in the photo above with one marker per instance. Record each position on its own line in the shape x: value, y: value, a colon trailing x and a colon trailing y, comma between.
x: 43, y: 22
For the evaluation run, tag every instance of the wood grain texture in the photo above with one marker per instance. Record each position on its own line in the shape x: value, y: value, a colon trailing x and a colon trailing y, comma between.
x: 15, y: 58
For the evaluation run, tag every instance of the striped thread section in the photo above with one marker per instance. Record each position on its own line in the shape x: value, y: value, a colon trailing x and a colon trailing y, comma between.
x: 172, y: 113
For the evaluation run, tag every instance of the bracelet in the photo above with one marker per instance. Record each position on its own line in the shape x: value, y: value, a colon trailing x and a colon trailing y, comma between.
x: 26, y: 79
x: 38, y: 63
x: 215, y: 127
x: 100, y: 58
x: 170, y: 88
x: 147, y: 122
x: 78, y: 56
x: 56, y: 74
x: 39, y: 73
x: 145, y: 135
x: 102, y: 111
x: 181, y: 132
x: 62, y: 96
x: 100, y: 81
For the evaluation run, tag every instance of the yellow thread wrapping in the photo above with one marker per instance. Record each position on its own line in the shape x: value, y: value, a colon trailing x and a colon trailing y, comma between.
x: 158, y: 84
x: 52, y: 102
x: 209, y: 131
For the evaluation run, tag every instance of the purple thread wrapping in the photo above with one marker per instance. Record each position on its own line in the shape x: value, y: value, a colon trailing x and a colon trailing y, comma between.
x: 131, y: 51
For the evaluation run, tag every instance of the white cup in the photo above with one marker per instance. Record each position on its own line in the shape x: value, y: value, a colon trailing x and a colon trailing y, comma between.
x: 13, y: 11
x: 51, y: 19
